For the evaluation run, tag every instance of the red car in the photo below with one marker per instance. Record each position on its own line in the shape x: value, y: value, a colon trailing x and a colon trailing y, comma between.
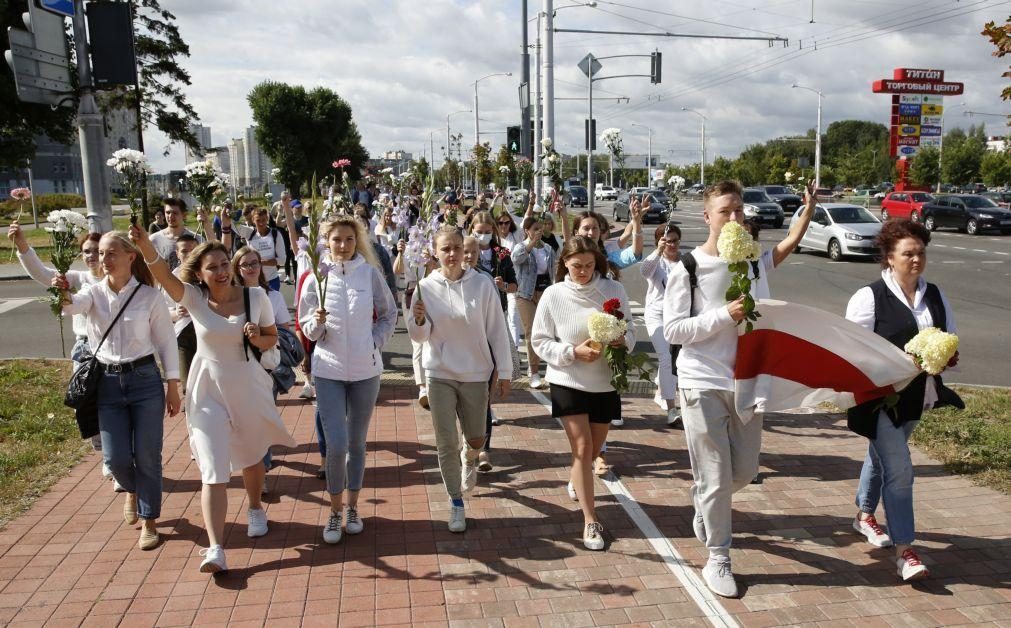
x: 904, y: 205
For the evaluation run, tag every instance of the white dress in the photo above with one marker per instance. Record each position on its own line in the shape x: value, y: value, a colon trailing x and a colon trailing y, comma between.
x: 230, y: 411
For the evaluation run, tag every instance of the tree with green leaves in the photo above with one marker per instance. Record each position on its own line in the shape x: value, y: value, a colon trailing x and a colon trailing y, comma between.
x: 305, y: 131
x: 420, y: 170
x: 963, y: 152
x: 925, y: 171
x: 481, y: 161
x: 1000, y: 37
x: 995, y: 168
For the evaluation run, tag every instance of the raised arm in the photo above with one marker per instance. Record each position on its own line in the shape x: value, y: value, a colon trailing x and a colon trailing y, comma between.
x: 159, y: 268
x: 227, y: 231
x: 798, y: 226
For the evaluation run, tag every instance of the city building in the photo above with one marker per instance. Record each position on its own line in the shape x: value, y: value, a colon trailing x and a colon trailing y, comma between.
x: 203, y: 134
x: 996, y: 143
x: 399, y: 160
x: 237, y: 162
x: 257, y: 164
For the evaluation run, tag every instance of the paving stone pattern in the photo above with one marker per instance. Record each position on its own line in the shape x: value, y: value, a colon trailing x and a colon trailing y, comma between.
x: 72, y: 561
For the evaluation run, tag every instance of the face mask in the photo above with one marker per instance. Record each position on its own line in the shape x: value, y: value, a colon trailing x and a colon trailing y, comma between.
x: 483, y: 238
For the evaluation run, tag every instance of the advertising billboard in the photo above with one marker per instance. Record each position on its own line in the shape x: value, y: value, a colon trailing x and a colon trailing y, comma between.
x: 906, y: 130
x: 909, y: 110
x: 932, y: 110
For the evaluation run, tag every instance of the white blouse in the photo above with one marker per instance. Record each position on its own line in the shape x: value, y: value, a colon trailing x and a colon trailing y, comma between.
x: 44, y: 275
x: 144, y: 325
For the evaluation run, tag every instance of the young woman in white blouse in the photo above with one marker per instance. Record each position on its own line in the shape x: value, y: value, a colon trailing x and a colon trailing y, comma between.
x: 534, y: 262
x: 350, y: 324
x: 655, y: 269
x: 230, y: 411
x: 132, y: 401
x: 582, y: 397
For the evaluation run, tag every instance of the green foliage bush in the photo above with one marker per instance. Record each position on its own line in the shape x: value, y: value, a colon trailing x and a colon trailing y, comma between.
x: 44, y: 202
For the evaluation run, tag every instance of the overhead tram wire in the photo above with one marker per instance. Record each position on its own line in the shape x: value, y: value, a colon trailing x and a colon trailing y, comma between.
x: 815, y: 46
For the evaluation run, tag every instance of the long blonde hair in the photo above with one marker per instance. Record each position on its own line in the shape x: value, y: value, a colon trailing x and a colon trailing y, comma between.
x: 138, y: 268
x: 363, y: 244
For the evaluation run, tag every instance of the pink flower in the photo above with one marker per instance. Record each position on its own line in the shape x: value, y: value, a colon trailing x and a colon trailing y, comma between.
x: 21, y: 194
x: 343, y: 162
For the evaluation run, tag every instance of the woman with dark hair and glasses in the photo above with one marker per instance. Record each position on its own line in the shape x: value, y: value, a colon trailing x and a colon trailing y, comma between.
x: 655, y: 269
x: 509, y: 237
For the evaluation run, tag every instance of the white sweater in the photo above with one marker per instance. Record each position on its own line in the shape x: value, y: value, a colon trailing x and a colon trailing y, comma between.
x: 560, y: 325
x: 707, y: 334
x: 464, y: 328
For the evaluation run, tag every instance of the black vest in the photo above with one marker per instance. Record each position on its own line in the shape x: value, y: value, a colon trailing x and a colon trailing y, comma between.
x: 894, y: 321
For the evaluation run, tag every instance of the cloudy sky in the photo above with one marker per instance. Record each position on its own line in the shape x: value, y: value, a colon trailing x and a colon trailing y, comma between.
x: 404, y: 65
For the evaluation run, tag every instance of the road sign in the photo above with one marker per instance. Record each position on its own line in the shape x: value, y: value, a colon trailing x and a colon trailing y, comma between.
x: 59, y: 7
x: 589, y: 65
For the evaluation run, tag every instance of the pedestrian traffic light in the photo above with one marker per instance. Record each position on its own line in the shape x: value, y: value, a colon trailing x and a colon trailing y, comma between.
x: 513, y: 135
x: 655, y: 59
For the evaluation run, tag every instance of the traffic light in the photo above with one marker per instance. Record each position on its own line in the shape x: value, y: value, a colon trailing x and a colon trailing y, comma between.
x: 655, y: 59
x: 38, y: 57
x: 513, y: 135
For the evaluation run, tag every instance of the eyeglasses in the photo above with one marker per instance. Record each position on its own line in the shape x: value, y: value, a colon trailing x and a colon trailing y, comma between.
x: 505, y: 223
x: 249, y: 266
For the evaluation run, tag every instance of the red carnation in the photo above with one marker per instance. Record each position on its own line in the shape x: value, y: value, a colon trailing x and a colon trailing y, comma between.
x: 613, y: 307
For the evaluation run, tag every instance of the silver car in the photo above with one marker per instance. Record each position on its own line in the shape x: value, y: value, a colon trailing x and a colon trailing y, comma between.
x: 842, y: 229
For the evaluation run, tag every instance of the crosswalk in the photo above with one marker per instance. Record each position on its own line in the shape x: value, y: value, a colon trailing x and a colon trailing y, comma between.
x: 6, y: 305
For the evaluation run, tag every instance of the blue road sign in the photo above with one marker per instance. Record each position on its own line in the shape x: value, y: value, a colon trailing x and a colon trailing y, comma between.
x: 60, y: 7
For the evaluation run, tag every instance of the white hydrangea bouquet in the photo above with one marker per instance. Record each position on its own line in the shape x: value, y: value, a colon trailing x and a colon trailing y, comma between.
x: 132, y: 168
x: 68, y: 226
x: 933, y: 350
x: 738, y: 249
x: 551, y: 164
x: 607, y: 327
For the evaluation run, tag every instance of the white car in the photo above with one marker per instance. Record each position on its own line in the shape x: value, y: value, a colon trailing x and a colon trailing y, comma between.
x: 841, y: 229
x: 605, y: 193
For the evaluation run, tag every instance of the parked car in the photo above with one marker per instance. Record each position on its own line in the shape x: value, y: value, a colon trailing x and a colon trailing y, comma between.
x: 842, y: 229
x: 966, y: 212
x: 1001, y: 198
x: 789, y: 201
x: 904, y: 205
x: 657, y: 211
x: 577, y: 196
x: 605, y: 193
x: 698, y: 188
x: 759, y: 207
x: 661, y: 196
x: 864, y: 192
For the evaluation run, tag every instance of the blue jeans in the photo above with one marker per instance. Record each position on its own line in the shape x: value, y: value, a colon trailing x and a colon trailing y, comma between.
x: 887, y: 476
x: 345, y: 410
x: 131, y: 410
x: 320, y: 436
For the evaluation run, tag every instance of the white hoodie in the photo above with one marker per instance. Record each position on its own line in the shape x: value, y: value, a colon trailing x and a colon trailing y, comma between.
x: 348, y: 345
x: 464, y: 328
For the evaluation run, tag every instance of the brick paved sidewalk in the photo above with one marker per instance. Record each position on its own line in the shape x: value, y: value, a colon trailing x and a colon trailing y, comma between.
x: 71, y: 561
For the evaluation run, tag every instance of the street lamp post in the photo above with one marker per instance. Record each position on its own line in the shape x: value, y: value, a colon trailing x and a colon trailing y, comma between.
x: 448, y: 139
x: 702, y: 169
x: 817, y: 137
x: 649, y: 153
x: 477, y: 123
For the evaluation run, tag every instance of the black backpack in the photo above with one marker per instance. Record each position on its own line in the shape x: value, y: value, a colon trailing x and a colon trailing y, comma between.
x: 693, y: 281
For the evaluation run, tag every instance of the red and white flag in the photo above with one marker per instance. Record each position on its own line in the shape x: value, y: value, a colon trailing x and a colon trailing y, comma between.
x: 799, y: 356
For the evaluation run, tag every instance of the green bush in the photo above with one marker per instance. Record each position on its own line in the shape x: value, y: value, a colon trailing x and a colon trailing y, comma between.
x: 45, y: 203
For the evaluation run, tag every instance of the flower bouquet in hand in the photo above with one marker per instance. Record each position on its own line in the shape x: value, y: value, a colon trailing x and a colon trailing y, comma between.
x: 607, y: 331
x: 132, y: 168
x: 738, y: 249
x: 68, y: 226
x: 551, y: 164
x: 933, y: 350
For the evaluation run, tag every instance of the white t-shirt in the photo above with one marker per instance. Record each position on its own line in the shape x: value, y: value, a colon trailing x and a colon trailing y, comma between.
x: 165, y: 243
x: 270, y: 247
x: 707, y: 334
x: 281, y: 314
x: 541, y: 258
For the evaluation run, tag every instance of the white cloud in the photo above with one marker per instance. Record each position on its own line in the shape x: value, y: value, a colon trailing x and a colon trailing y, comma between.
x: 403, y: 65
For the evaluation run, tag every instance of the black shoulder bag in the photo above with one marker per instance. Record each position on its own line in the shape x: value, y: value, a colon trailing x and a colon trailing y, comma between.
x: 82, y: 390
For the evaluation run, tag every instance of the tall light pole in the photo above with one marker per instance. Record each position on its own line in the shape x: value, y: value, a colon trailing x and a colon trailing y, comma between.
x: 817, y: 137
x: 448, y: 140
x: 649, y: 153
x: 477, y: 123
x: 702, y: 170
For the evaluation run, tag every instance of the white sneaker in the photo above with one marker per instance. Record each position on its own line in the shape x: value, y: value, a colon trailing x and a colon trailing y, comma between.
x: 257, y: 525
x: 535, y: 381
x: 910, y: 568
x: 674, y: 418
x: 457, y: 518
x: 106, y: 471
x: 468, y: 472
x: 571, y: 490
x: 495, y: 420
x: 617, y: 422
x: 593, y: 538
x: 354, y: 524
x: 308, y: 392
x: 658, y: 400
x: 869, y: 528
x: 214, y: 560
x: 719, y: 577
x: 698, y: 523
x: 332, y: 532
x: 117, y: 487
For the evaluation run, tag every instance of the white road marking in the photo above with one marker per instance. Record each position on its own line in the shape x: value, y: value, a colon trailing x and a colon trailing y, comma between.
x: 692, y: 582
x: 941, y: 246
x: 1000, y: 253
x: 992, y: 261
x: 952, y: 261
x: 960, y: 248
x: 980, y: 251
x: 11, y: 304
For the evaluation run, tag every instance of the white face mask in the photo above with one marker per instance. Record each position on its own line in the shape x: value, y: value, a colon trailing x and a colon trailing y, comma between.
x: 483, y: 238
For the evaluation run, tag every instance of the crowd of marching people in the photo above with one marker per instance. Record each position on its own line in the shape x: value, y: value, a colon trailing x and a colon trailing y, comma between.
x: 196, y: 322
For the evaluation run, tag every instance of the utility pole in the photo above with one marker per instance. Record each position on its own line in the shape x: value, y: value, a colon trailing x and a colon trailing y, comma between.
x: 649, y: 153
x: 702, y: 169
x: 91, y: 130
x: 525, y: 88
x: 817, y: 137
x: 144, y: 212
x: 538, y: 100
x: 548, y: 71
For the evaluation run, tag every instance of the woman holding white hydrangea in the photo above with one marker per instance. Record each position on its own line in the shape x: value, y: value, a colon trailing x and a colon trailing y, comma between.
x: 582, y: 397
x: 897, y: 306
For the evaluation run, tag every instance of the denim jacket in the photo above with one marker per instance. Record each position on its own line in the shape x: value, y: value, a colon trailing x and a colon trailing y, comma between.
x: 526, y: 269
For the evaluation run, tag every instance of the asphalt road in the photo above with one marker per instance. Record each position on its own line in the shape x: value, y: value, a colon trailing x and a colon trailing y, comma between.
x: 973, y: 271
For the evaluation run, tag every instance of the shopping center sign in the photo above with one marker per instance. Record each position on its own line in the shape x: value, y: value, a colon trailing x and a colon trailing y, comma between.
x: 917, y: 108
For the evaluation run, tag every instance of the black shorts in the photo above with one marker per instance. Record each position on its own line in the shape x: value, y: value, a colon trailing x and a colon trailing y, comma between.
x: 602, y: 407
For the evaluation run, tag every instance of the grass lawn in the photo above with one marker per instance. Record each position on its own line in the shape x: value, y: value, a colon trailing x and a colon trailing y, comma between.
x: 39, y: 441
x: 975, y: 442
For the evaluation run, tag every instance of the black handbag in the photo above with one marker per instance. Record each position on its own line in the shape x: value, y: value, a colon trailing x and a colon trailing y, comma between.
x: 82, y: 390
